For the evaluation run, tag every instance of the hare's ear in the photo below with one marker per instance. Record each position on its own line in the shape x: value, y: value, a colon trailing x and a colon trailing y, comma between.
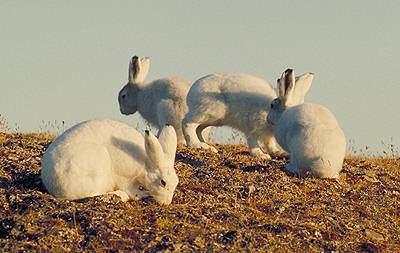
x: 154, y: 149
x: 303, y: 84
x: 138, y: 69
x: 286, y: 85
x: 168, y: 141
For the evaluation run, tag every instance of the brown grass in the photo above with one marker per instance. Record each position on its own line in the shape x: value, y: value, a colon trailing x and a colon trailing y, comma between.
x: 225, y: 202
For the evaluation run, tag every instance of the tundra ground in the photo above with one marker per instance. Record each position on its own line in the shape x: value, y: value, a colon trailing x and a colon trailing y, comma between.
x: 225, y: 202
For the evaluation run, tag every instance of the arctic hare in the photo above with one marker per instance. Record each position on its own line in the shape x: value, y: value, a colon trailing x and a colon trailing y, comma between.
x: 309, y: 132
x: 240, y: 101
x: 159, y: 102
x: 103, y: 156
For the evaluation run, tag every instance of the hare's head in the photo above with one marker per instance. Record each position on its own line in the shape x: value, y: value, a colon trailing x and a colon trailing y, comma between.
x: 161, y: 179
x: 127, y: 97
x: 291, y: 92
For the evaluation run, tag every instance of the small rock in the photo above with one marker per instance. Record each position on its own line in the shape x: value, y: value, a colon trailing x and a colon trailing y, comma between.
x: 371, y: 234
x: 371, y: 179
x: 228, y: 237
x: 252, y: 188
x: 246, y: 191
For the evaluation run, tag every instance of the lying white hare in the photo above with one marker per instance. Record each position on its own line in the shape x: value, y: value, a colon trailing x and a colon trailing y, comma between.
x: 309, y: 132
x: 159, y: 102
x: 237, y: 100
x: 103, y: 156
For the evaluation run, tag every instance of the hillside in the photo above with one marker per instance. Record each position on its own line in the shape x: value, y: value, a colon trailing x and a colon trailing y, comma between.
x: 224, y: 202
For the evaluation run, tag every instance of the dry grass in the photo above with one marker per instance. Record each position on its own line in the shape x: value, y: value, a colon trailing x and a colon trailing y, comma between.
x: 3, y: 124
x: 225, y: 202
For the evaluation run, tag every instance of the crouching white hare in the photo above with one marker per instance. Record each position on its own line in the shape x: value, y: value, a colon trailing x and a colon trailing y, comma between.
x: 103, y: 156
x: 159, y: 102
x: 237, y: 100
x: 309, y: 132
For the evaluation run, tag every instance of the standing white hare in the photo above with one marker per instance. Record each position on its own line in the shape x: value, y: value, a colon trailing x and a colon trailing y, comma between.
x: 237, y: 100
x: 159, y: 102
x: 309, y: 132
x: 103, y: 156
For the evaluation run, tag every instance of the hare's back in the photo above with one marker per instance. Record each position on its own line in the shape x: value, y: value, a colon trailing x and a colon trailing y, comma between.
x: 311, y: 115
x: 231, y: 82
x: 96, y: 132
x: 171, y: 87
x: 311, y: 126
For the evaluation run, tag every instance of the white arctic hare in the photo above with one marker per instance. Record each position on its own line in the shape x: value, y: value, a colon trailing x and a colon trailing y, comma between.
x: 103, y: 156
x: 309, y: 132
x: 159, y: 102
x: 240, y: 101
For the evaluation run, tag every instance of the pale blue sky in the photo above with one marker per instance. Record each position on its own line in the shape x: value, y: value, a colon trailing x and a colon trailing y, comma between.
x: 67, y: 60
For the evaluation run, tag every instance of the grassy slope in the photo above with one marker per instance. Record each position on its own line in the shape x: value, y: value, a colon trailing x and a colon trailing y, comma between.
x: 225, y: 202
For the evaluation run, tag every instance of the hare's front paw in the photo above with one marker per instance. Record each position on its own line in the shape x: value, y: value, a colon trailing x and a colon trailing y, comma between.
x: 280, y: 153
x: 123, y: 195
x: 204, y: 145
x: 257, y: 152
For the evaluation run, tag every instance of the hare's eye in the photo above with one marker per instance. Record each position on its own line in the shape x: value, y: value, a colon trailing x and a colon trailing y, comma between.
x: 272, y: 105
x: 163, y: 183
x: 123, y: 96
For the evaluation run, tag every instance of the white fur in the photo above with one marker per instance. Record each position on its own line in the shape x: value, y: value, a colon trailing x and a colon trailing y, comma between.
x: 309, y: 132
x: 160, y: 102
x: 103, y: 156
x: 237, y: 100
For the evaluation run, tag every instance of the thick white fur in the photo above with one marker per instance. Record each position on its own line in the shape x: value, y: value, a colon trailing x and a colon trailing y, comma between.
x: 103, y: 156
x: 240, y: 101
x: 160, y: 102
x: 309, y: 132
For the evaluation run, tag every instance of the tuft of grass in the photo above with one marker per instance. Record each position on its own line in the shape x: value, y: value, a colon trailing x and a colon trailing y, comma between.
x: 3, y: 124
x: 225, y: 202
x: 52, y: 127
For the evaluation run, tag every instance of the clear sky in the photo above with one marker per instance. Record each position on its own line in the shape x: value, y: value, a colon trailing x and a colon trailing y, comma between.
x: 67, y: 60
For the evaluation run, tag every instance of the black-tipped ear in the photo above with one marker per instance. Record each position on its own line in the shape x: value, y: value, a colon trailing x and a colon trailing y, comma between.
x: 133, y: 69
x: 147, y: 132
x: 138, y: 69
x: 288, y: 79
x: 135, y: 59
x: 286, y: 85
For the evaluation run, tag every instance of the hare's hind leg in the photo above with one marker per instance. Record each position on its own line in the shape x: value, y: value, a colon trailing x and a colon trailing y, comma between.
x: 193, y: 139
x: 272, y: 146
x: 325, y: 168
x: 196, y: 121
x: 255, y: 149
x: 89, y: 172
x: 202, y: 132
